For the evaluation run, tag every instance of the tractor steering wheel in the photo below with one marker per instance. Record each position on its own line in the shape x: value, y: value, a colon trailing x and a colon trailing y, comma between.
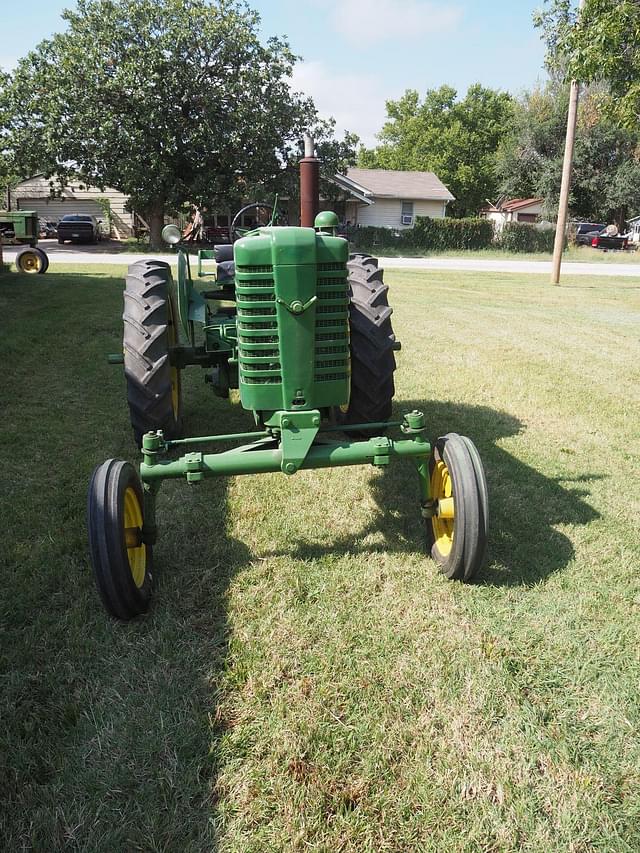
x: 234, y: 232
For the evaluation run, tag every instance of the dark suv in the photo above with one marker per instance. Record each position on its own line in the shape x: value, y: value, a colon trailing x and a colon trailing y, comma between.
x: 587, y: 231
x: 79, y: 228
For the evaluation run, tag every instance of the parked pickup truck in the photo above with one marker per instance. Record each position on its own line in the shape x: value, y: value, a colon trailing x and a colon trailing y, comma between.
x: 586, y: 231
x: 78, y: 228
x: 609, y: 241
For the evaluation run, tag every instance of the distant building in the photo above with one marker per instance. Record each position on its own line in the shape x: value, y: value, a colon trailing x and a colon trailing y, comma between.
x: 52, y: 202
x: 392, y: 199
x: 634, y: 229
x: 513, y: 210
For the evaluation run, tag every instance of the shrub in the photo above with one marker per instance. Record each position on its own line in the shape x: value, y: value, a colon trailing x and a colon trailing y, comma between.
x: 432, y: 235
x: 442, y: 234
x: 520, y: 237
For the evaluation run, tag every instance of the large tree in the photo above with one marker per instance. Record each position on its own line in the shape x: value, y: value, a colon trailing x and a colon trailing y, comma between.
x: 606, y: 173
x: 166, y: 100
x: 601, y: 43
x: 456, y: 139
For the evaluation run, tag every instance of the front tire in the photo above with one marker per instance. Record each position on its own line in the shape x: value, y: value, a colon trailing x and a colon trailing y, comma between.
x: 121, y: 561
x: 457, y: 533
x: 372, y: 345
x: 32, y: 261
x: 154, y: 391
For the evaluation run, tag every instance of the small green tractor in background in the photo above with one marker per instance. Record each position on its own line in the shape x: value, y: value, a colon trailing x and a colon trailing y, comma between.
x: 21, y: 227
x: 307, y: 340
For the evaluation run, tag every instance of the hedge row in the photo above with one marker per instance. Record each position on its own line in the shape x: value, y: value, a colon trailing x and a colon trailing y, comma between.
x: 435, y: 235
x: 520, y: 237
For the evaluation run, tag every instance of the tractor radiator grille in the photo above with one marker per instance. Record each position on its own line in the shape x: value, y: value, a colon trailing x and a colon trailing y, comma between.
x: 263, y: 339
x: 287, y: 359
x: 252, y: 269
x: 258, y: 339
x: 256, y: 282
x: 332, y: 347
x: 259, y: 297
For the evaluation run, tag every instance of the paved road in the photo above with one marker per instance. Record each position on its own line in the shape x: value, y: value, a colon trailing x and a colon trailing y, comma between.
x: 529, y: 267
x: 111, y: 254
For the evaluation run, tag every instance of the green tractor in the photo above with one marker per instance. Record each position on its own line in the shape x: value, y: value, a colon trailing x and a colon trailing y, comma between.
x: 21, y: 227
x: 308, y: 342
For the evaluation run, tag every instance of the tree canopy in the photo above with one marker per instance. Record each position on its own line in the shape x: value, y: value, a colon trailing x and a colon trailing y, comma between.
x: 606, y: 172
x: 165, y: 100
x: 601, y: 43
x: 456, y: 139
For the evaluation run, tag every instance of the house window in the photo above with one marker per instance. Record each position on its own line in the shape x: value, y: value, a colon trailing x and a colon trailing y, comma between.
x: 406, y: 214
x: 527, y: 217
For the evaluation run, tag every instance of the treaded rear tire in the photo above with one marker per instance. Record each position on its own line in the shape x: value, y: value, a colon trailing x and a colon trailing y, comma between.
x: 372, y: 344
x: 153, y: 386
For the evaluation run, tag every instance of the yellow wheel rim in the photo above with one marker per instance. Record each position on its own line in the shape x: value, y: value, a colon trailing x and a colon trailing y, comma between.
x: 136, y: 549
x: 444, y: 521
x: 175, y: 373
x: 30, y: 262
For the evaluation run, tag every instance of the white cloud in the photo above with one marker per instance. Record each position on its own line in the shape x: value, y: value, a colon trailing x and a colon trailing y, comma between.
x: 369, y: 21
x: 356, y: 101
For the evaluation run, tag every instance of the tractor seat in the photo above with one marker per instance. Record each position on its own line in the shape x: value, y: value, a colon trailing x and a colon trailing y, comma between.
x: 223, y: 252
x: 225, y: 271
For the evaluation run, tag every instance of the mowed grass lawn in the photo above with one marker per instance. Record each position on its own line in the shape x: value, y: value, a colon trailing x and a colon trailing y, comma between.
x: 305, y: 680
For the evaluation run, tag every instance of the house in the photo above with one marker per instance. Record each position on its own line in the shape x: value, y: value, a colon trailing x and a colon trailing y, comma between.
x: 514, y: 210
x: 634, y: 229
x: 392, y: 199
x: 52, y: 202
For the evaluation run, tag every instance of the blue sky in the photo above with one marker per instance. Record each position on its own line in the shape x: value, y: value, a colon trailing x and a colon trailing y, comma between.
x: 359, y: 53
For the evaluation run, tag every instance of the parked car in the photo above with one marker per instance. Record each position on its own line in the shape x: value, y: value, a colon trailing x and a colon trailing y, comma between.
x: 587, y: 231
x: 79, y: 228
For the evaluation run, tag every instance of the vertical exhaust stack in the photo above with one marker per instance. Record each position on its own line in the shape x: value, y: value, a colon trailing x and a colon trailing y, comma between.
x: 309, y: 184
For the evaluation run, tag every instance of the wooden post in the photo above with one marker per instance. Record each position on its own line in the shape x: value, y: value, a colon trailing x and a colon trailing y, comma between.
x: 565, y: 186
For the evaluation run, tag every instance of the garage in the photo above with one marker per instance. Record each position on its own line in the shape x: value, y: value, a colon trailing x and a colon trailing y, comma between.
x: 54, y: 209
x: 52, y: 200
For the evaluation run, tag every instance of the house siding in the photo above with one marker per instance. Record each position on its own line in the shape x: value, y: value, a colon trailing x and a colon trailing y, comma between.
x: 35, y: 194
x: 387, y: 213
x: 525, y: 214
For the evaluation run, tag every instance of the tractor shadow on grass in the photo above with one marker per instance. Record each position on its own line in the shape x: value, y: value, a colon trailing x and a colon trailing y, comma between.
x: 525, y: 506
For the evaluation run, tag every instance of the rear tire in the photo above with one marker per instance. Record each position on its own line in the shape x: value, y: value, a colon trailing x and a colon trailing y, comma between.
x: 150, y: 330
x: 372, y: 345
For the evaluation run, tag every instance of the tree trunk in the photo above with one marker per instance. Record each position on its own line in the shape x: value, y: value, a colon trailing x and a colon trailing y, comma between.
x: 156, y: 223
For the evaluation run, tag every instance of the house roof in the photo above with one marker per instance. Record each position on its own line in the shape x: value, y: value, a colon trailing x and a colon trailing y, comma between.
x: 511, y: 205
x: 519, y: 203
x: 385, y: 183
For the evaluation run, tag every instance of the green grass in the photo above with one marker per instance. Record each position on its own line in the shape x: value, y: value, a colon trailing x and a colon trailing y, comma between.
x: 583, y: 254
x: 305, y: 679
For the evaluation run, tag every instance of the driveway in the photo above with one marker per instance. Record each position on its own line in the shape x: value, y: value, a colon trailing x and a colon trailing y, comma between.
x: 112, y: 252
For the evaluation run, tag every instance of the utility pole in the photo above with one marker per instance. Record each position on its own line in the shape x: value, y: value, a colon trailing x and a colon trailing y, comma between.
x: 565, y: 186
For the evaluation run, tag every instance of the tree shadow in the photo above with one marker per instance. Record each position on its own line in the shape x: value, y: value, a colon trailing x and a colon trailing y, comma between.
x: 525, y: 506
x: 110, y: 731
